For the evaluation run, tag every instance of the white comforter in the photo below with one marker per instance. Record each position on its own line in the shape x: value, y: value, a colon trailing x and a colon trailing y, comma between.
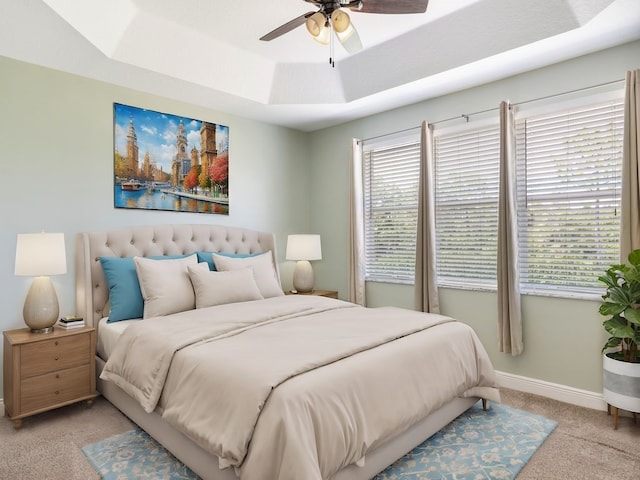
x: 297, y: 387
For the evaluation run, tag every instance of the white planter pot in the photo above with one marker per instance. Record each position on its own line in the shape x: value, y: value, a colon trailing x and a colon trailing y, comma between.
x: 621, y: 384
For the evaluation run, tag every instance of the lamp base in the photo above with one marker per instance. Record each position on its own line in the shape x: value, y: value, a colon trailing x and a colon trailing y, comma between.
x: 41, y: 308
x: 303, y: 276
x: 42, y: 330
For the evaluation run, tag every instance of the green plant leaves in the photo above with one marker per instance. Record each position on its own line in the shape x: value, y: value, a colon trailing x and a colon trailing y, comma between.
x: 634, y: 258
x: 621, y: 302
x: 632, y: 315
x: 619, y: 327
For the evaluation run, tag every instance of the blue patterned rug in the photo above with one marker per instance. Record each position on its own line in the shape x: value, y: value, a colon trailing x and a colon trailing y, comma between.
x: 478, y: 445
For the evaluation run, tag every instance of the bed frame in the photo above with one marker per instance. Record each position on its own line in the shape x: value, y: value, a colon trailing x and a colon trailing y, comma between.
x: 92, y: 296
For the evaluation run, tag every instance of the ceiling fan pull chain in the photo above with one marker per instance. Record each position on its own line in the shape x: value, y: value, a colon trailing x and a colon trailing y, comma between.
x: 331, y: 61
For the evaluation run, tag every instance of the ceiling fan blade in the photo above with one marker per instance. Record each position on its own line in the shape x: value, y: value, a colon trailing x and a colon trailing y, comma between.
x: 350, y: 40
x: 390, y: 7
x: 287, y: 27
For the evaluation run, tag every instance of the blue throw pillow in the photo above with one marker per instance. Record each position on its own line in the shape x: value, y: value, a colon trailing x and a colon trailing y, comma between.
x: 207, y: 257
x: 125, y: 295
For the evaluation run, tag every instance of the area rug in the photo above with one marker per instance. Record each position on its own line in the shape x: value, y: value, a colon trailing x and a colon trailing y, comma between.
x: 478, y: 445
x: 135, y: 455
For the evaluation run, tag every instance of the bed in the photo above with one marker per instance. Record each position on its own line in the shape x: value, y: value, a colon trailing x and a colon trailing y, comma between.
x: 246, y: 382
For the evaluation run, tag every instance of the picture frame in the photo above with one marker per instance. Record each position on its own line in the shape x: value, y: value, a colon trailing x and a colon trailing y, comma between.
x: 163, y: 161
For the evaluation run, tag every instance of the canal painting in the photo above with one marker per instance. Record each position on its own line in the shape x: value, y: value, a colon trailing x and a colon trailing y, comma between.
x: 168, y: 162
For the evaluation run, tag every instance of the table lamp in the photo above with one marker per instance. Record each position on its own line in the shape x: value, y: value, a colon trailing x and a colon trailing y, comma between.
x: 303, y: 248
x: 40, y: 255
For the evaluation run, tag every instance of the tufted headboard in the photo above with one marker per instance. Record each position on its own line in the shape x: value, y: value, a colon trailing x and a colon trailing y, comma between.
x: 92, y: 293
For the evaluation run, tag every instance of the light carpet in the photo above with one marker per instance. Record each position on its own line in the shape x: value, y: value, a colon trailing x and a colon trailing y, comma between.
x: 478, y: 445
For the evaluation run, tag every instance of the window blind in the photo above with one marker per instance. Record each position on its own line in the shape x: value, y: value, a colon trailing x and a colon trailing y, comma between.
x: 569, y: 166
x: 466, y: 178
x: 391, y: 211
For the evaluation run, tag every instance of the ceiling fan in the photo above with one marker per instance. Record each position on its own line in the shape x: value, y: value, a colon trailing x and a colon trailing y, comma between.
x: 332, y: 15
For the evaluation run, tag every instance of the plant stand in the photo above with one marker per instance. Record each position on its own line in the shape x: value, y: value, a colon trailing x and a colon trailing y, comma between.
x: 621, y: 387
x: 616, y: 411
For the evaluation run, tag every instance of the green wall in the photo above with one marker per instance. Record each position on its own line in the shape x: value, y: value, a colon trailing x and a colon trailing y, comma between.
x: 56, y: 147
x: 562, y: 337
x: 56, y: 164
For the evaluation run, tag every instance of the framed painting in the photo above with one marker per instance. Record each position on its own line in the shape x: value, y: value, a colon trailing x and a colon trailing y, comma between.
x: 167, y: 162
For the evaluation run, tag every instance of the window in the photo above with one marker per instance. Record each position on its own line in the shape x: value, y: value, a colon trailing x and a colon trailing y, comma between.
x: 569, y: 165
x: 467, y: 167
x: 568, y: 183
x: 391, y: 210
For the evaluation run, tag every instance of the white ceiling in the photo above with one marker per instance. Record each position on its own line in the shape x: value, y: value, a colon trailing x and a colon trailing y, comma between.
x: 208, y: 52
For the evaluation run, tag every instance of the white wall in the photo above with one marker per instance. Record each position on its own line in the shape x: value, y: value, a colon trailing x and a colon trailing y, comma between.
x: 562, y: 337
x: 56, y: 171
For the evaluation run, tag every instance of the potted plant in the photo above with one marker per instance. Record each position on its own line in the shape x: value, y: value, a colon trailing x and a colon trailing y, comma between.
x: 621, y: 358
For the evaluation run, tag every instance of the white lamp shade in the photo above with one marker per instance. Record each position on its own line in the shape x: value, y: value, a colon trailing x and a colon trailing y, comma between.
x: 40, y: 254
x: 304, y: 247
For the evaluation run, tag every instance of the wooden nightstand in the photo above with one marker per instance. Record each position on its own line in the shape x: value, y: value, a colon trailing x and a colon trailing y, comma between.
x: 43, y: 371
x: 319, y: 293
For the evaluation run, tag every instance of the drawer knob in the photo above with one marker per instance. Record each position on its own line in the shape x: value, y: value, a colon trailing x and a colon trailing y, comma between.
x: 57, y: 375
x: 57, y: 392
x: 55, y: 343
x: 56, y: 358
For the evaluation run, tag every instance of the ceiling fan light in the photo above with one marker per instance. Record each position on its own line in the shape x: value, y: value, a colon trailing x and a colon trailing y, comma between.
x: 323, y: 36
x: 318, y: 27
x: 315, y: 23
x: 350, y: 40
x: 340, y: 20
x: 345, y: 34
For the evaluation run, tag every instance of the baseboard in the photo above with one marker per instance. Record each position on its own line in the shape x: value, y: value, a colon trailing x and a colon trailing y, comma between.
x: 555, y: 391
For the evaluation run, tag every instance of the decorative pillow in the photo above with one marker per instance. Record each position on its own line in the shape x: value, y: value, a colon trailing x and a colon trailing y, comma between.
x: 263, y: 271
x: 125, y: 297
x: 165, y: 285
x: 217, y: 288
x: 205, y: 257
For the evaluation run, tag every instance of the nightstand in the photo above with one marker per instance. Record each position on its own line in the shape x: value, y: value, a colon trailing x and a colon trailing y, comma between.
x: 318, y: 293
x: 43, y: 371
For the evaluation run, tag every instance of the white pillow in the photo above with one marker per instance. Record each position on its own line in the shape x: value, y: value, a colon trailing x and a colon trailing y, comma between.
x: 217, y: 288
x: 165, y: 285
x: 263, y: 271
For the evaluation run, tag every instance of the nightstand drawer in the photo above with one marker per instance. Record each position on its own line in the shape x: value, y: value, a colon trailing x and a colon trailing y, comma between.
x: 54, y: 388
x: 55, y: 354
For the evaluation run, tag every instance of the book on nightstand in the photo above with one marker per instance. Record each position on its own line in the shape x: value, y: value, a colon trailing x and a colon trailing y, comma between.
x: 71, y: 322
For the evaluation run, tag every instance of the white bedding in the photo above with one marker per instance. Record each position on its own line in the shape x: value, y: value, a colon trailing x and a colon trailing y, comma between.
x: 108, y: 335
x: 230, y: 382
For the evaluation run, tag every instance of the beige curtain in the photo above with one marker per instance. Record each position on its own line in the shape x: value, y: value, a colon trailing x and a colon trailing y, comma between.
x: 630, y: 202
x: 426, y: 288
x: 356, y: 227
x: 509, y: 311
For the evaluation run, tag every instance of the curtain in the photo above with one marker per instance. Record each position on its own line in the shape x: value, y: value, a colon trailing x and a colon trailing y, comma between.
x: 509, y: 311
x: 630, y: 201
x: 426, y: 288
x: 356, y: 227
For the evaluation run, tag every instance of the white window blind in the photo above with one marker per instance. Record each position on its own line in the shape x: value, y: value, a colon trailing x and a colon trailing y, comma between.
x: 569, y: 194
x: 391, y: 209
x: 466, y: 178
